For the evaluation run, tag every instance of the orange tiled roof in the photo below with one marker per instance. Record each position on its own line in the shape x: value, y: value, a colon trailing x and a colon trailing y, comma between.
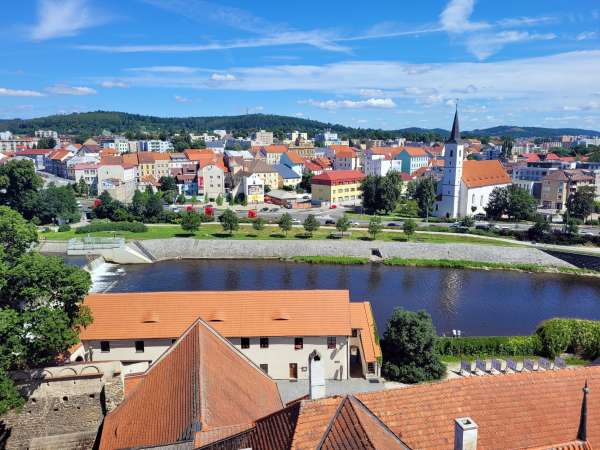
x: 295, y: 158
x: 149, y: 315
x: 152, y: 157
x: 130, y: 158
x: 59, y: 155
x: 484, y: 173
x: 361, y: 317
x: 276, y: 148
x: 388, y: 152
x: 523, y: 410
x: 201, y: 384
x: 338, y: 176
x: 415, y: 151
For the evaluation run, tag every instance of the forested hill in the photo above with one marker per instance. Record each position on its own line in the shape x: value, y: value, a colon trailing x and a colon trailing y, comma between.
x: 94, y: 123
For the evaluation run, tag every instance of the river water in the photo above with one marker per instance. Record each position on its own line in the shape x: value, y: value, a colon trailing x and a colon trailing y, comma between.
x: 474, y: 301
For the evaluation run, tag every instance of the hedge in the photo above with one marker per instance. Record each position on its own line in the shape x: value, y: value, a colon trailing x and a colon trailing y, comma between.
x: 134, y: 227
x: 489, y: 346
x: 581, y: 337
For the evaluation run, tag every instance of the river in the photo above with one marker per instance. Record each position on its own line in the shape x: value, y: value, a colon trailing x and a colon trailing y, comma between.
x: 474, y: 301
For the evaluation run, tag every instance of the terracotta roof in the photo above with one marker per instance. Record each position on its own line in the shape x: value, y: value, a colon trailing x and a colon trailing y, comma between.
x: 111, y: 160
x: 201, y: 384
x: 152, y: 157
x: 334, y: 176
x: 571, y: 175
x: 275, y: 148
x: 240, y: 313
x: 361, y: 317
x: 258, y: 166
x: 33, y: 152
x: 130, y: 158
x: 295, y: 158
x: 531, y: 157
x: 59, y: 155
x: 388, y: 152
x: 343, y: 151
x: 552, y: 157
x: 415, y: 151
x: 85, y: 166
x: 484, y: 173
x: 150, y: 179
x: 523, y: 410
x: 194, y: 154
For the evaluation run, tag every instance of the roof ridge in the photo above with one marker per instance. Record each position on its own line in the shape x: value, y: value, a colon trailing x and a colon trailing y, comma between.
x: 356, y: 402
x: 332, y: 422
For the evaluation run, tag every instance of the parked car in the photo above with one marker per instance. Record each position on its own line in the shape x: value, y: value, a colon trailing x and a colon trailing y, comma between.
x: 296, y: 222
x: 288, y: 206
x: 333, y: 207
x: 265, y: 209
x: 330, y: 222
x: 392, y: 224
x: 480, y: 216
x: 355, y: 224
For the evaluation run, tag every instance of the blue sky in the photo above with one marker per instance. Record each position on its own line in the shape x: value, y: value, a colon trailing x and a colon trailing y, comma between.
x: 384, y: 64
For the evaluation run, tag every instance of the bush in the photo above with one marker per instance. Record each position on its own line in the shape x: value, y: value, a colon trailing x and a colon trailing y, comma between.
x: 64, y: 227
x: 581, y: 337
x: 489, y: 346
x: 134, y: 227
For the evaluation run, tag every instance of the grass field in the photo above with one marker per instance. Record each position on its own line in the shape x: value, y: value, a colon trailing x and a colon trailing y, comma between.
x: 214, y: 231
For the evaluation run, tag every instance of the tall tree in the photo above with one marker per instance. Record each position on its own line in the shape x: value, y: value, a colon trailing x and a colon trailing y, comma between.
x: 285, y: 223
x: 343, y: 224
x: 16, y: 234
x: 425, y: 194
x: 497, y: 203
x: 311, y: 224
x: 229, y: 221
x: 581, y: 203
x: 19, y: 185
x: 190, y: 221
x: 375, y: 226
x: 167, y: 184
x: 408, y: 348
x: 507, y: 146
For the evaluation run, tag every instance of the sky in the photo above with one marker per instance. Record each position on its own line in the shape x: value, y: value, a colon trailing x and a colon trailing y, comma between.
x: 382, y: 64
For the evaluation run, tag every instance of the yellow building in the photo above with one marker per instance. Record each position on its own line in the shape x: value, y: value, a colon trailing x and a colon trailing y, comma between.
x: 338, y: 187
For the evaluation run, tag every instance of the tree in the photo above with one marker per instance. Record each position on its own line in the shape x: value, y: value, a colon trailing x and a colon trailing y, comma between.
x: 375, y: 226
x: 425, y: 194
x: 306, y: 182
x: 468, y: 221
x: 581, y: 203
x: 497, y: 203
x: 521, y: 204
x: 507, y: 146
x: 409, y: 227
x: 9, y: 395
x: 83, y: 188
x: 571, y: 227
x: 46, y: 143
x: 540, y: 228
x: 19, y: 185
x: 219, y: 200
x: 311, y: 224
x: 285, y: 223
x: 153, y: 206
x: 16, y: 234
x: 229, y: 221
x: 57, y: 202
x: 190, y: 221
x: 343, y: 224
x: 167, y: 184
x: 106, y: 207
x: 381, y: 194
x: 258, y: 224
x: 408, y: 348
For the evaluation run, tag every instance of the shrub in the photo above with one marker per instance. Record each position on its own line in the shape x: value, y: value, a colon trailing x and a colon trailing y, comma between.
x: 489, y: 346
x: 581, y: 337
x: 134, y: 227
x: 64, y: 227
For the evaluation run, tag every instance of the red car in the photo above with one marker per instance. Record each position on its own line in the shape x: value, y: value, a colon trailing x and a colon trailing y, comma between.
x: 333, y: 207
x: 209, y: 210
x: 251, y: 214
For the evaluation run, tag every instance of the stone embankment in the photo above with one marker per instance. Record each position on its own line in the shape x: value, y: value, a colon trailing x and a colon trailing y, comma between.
x: 188, y: 248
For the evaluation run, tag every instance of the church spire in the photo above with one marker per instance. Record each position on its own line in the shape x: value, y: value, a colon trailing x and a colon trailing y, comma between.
x: 455, y: 133
x: 582, y: 433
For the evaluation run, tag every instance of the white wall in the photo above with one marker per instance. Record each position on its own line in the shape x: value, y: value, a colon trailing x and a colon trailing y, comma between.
x: 475, y: 197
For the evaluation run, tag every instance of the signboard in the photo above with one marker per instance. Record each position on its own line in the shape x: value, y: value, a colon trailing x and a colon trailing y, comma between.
x: 255, y: 189
x: 200, y: 182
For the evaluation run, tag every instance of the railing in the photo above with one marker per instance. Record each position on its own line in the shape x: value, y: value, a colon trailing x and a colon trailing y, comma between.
x: 95, y: 243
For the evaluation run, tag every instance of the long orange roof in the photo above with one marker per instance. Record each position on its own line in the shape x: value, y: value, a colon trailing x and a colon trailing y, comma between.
x: 154, y: 315
x: 484, y: 173
x: 361, y: 317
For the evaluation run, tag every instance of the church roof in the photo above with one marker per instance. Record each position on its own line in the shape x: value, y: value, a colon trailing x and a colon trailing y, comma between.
x: 484, y: 173
x: 455, y: 133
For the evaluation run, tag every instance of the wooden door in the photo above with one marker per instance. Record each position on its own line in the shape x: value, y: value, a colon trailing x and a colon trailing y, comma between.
x: 293, y: 371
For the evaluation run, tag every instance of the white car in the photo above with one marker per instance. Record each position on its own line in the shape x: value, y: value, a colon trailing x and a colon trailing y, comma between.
x: 296, y: 222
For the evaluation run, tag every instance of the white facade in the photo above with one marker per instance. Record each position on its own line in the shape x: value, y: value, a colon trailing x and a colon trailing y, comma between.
x: 277, y: 358
x: 262, y: 138
x: 378, y: 165
x: 5, y: 135
x: 213, y: 181
x: 450, y: 186
x: 155, y: 146
x: 474, y: 200
x: 47, y: 134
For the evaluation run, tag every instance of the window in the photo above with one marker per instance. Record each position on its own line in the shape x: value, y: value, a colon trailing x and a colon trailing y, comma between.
x: 245, y: 342
x: 104, y: 346
x: 265, y: 368
x: 298, y: 344
x: 264, y: 342
x: 331, y: 343
x: 139, y: 346
x: 370, y: 367
x: 354, y: 332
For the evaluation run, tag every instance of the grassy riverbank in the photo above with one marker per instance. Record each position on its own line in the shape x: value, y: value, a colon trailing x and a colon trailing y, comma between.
x: 214, y: 231
x: 464, y: 264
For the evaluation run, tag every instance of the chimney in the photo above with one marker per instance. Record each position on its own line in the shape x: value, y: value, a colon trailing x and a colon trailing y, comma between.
x: 316, y: 375
x: 465, y: 434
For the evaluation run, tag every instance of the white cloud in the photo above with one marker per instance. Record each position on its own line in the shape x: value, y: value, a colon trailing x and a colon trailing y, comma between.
x: 61, y: 18
x: 109, y: 84
x: 455, y: 17
x: 584, y: 36
x: 164, y: 69
x: 526, y: 21
x: 385, y: 103
x: 222, y: 77
x: 62, y: 89
x: 5, y: 92
x: 484, y: 45
x: 181, y: 99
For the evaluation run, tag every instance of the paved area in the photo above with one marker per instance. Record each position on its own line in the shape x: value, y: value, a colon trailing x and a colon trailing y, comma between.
x: 292, y: 390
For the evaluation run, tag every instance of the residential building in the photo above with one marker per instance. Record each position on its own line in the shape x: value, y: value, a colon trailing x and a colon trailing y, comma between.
x: 56, y: 162
x: 153, y: 163
x: 338, y: 187
x: 559, y: 185
x: 328, y: 138
x: 466, y: 185
x: 118, y: 178
x: 262, y: 138
x: 294, y: 161
x: 211, y: 179
x: 6, y: 136
x: 89, y: 173
x: 38, y: 156
x: 413, y: 158
x: 17, y: 144
x: 251, y: 185
x: 48, y: 134
x: 287, y: 199
x: 344, y: 157
x: 265, y: 171
x: 287, y: 177
x: 380, y: 165
x: 155, y: 145
x: 270, y: 154
x: 491, y: 151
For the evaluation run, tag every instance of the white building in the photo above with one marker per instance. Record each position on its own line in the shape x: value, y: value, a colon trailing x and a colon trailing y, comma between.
x: 5, y: 135
x: 155, y: 145
x: 49, y: 134
x: 277, y: 330
x: 262, y: 137
x: 466, y: 185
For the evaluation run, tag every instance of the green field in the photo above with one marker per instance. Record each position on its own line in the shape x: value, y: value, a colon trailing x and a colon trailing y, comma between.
x: 214, y: 231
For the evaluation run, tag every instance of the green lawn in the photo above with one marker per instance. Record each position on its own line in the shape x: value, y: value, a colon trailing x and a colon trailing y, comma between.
x: 214, y: 231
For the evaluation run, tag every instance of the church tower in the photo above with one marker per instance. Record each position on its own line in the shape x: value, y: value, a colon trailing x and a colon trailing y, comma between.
x: 448, y: 206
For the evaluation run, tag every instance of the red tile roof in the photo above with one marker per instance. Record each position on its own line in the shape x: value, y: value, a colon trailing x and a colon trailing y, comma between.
x: 484, y: 173
x: 361, y: 317
x: 201, y: 384
x: 140, y: 315
x: 415, y: 151
x: 295, y: 158
x: 338, y: 176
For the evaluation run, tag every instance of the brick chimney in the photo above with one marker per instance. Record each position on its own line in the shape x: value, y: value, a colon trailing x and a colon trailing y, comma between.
x: 465, y: 434
x: 316, y: 375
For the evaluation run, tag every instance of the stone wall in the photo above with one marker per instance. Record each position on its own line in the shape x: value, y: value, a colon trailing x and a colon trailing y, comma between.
x: 65, y: 406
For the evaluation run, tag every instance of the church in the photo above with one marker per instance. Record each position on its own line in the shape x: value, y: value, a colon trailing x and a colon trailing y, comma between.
x: 466, y: 185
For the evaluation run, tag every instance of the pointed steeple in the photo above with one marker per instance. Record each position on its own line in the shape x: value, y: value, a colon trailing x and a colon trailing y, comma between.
x: 582, y: 433
x: 455, y: 133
